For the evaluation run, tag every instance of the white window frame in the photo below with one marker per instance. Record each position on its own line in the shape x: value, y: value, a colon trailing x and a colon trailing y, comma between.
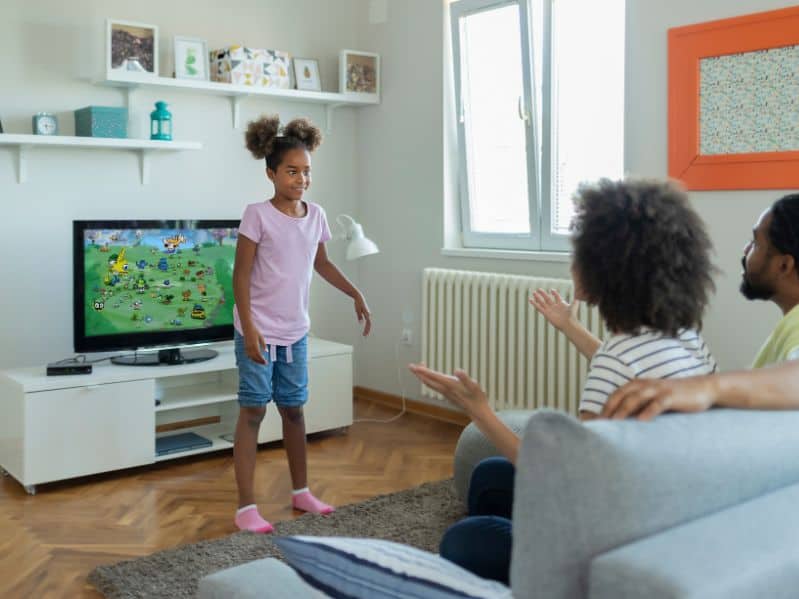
x: 539, y: 162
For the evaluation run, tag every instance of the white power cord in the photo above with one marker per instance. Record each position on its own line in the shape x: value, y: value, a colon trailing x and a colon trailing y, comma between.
x: 402, y: 390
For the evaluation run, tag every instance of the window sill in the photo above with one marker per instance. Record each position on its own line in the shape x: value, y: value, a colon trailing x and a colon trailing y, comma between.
x: 533, y: 256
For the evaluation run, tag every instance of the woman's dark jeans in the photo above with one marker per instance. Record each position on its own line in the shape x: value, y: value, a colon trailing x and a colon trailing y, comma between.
x: 481, y: 542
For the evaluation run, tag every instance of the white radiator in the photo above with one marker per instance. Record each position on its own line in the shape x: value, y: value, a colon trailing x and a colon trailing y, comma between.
x: 483, y: 323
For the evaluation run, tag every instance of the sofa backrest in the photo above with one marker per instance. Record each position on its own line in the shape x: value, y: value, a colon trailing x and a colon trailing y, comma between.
x: 583, y: 489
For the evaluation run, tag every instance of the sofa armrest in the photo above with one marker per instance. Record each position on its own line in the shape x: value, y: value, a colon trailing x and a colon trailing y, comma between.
x: 746, y: 551
x: 473, y: 447
x: 584, y: 489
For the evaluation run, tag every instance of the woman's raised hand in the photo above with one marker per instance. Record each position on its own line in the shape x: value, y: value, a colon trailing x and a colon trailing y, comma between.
x: 554, y: 308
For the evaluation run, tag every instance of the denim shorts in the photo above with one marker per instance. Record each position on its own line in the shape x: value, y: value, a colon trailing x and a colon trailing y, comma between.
x: 280, y: 380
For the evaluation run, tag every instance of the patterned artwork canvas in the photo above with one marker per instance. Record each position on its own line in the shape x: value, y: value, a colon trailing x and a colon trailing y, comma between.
x: 251, y: 66
x: 749, y: 102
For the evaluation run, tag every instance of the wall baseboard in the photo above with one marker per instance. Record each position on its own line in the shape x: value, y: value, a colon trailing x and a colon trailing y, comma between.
x: 412, y: 406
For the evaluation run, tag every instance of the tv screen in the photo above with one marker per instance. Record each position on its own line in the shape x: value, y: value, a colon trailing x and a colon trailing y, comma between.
x: 144, y: 284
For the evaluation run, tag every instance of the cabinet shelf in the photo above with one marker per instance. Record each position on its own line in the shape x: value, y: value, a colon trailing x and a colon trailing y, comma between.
x: 143, y: 147
x: 236, y: 93
x: 195, y: 395
x: 211, y: 432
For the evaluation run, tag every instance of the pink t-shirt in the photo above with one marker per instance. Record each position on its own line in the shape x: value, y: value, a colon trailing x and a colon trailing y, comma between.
x: 282, y: 271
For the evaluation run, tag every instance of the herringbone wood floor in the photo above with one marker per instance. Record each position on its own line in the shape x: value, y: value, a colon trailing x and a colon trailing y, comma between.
x: 50, y: 542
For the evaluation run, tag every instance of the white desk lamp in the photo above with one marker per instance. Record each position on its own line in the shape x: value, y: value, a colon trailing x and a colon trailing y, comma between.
x: 359, y: 245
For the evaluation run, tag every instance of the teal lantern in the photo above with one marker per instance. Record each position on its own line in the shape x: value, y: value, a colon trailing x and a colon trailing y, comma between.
x: 161, y: 122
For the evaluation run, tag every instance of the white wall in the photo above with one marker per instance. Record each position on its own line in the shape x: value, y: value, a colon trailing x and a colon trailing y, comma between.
x: 406, y: 175
x: 385, y: 165
x: 402, y: 187
x: 50, y: 49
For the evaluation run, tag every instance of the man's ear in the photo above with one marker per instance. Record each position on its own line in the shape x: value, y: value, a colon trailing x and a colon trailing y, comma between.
x: 787, y: 264
x: 270, y: 174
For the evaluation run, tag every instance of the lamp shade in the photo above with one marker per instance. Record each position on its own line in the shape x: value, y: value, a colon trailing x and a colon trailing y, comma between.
x: 359, y: 245
x: 358, y: 248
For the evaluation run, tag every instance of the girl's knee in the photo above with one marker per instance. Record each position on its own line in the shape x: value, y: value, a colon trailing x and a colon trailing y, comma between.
x: 253, y: 415
x: 292, y: 415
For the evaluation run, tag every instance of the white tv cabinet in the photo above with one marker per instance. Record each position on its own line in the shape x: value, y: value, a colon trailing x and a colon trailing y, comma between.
x: 58, y: 427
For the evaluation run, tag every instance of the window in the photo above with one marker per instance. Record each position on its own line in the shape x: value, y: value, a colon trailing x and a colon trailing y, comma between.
x: 539, y: 91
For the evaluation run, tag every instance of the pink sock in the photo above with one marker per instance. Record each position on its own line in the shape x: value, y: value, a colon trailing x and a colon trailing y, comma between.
x: 305, y: 501
x: 248, y: 518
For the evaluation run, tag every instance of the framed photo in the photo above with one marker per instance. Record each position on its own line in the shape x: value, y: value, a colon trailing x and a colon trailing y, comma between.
x: 359, y: 74
x: 306, y: 74
x: 131, y: 48
x: 191, y: 58
x: 732, y: 106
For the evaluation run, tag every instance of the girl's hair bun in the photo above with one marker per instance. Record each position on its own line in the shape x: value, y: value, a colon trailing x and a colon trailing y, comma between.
x: 261, y: 136
x: 304, y: 130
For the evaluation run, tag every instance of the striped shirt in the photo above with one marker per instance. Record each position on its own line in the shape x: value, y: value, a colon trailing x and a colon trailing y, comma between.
x: 648, y: 355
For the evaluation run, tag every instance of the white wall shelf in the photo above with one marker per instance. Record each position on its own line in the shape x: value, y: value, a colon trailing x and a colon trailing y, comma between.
x: 236, y: 93
x: 144, y: 147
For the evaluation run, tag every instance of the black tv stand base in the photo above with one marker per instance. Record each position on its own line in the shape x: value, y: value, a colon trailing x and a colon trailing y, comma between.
x: 166, y: 356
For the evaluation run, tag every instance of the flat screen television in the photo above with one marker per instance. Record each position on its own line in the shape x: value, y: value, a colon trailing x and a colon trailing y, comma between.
x: 164, y: 284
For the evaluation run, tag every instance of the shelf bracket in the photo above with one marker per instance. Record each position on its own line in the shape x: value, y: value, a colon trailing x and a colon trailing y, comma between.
x: 235, y: 103
x: 329, y: 116
x: 22, y: 171
x: 129, y: 97
x: 144, y: 167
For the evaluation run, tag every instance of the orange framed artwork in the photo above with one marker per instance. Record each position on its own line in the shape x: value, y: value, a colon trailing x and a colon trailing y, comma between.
x: 734, y: 102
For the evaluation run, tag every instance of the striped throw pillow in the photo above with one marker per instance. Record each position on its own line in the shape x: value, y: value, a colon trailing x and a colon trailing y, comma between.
x: 376, y: 569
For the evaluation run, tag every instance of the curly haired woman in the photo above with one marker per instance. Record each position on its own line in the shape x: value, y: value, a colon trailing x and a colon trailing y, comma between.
x: 642, y: 256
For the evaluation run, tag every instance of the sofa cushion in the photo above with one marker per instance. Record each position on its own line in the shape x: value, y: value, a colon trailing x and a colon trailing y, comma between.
x: 584, y: 489
x: 251, y: 581
x: 376, y: 569
x: 747, y: 551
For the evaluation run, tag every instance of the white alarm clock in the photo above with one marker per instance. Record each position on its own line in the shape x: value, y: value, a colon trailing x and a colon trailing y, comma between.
x: 45, y: 123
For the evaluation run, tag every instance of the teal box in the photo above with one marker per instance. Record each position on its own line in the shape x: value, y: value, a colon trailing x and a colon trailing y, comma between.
x: 101, y: 121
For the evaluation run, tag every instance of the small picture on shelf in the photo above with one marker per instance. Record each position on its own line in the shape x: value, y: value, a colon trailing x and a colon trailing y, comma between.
x: 359, y: 73
x: 131, y: 48
x: 306, y: 74
x: 191, y: 58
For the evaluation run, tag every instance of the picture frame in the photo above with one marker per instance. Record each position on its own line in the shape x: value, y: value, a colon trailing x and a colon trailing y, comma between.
x: 131, y: 48
x: 306, y: 74
x: 191, y: 58
x: 359, y: 74
x: 728, y: 98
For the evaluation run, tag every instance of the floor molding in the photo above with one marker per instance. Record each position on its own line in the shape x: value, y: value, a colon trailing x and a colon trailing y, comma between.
x: 411, y: 405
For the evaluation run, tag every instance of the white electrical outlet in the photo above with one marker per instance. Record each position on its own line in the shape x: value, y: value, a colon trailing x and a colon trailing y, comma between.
x: 406, y: 337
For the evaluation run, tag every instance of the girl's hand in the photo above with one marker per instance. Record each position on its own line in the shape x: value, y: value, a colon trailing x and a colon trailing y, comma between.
x: 461, y: 389
x: 254, y: 345
x: 552, y: 307
x: 363, y: 314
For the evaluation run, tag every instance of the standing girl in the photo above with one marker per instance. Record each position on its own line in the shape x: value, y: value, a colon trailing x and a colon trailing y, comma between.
x: 281, y: 241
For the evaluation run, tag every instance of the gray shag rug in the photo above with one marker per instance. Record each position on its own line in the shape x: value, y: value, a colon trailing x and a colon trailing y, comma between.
x: 417, y: 517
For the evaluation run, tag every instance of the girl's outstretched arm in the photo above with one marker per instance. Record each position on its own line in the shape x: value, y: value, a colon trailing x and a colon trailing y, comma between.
x: 563, y: 316
x: 330, y: 273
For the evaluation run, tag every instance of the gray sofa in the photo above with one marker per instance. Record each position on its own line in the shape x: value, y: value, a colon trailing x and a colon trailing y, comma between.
x: 688, y: 506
